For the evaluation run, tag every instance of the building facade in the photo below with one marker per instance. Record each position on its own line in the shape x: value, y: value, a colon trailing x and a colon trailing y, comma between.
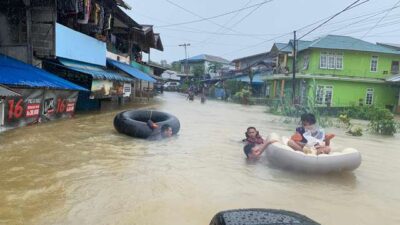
x: 338, y: 71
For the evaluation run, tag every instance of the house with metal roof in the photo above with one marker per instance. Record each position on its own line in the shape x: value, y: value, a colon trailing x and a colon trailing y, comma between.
x: 248, y: 61
x: 337, y: 71
x: 209, y: 64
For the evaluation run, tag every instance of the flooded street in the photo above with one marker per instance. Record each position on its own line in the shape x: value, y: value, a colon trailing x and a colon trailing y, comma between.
x: 81, y: 171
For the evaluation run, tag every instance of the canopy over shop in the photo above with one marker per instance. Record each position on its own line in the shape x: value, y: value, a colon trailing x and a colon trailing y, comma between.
x: 35, y: 96
x: 102, y: 82
x: 135, y: 73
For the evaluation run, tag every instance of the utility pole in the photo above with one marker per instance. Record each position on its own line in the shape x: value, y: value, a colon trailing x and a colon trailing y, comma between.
x: 294, y: 69
x: 185, y: 45
x: 29, y: 30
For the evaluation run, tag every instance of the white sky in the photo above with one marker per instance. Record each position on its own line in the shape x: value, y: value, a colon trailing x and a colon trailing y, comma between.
x: 267, y: 22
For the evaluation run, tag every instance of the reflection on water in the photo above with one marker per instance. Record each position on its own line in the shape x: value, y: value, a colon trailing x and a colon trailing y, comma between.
x: 81, y: 171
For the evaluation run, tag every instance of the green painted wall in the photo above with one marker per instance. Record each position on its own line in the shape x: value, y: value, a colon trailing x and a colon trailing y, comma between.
x: 349, y: 93
x: 141, y: 67
x: 356, y: 64
x: 344, y: 93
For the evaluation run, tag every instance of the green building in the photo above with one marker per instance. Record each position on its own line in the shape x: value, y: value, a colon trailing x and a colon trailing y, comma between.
x: 337, y: 71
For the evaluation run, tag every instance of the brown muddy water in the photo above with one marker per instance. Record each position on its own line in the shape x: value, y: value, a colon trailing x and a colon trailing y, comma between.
x: 81, y: 171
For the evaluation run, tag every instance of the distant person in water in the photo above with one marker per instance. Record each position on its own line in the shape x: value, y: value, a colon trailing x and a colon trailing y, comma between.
x: 311, y: 136
x: 165, y: 132
x: 254, y: 151
x: 253, y: 136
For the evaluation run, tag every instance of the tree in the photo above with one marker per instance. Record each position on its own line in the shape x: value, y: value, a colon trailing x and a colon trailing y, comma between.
x: 176, y: 66
x: 198, y: 71
x: 214, y: 67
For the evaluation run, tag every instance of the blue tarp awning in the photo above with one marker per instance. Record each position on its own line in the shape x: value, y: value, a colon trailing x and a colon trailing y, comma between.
x: 131, y: 70
x: 16, y: 73
x: 257, y: 79
x: 97, y: 72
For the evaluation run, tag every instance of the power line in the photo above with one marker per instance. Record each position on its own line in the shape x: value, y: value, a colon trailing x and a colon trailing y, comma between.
x: 351, y: 6
x: 373, y: 27
x: 216, y: 16
x: 226, y: 24
x: 364, y: 20
x: 209, y: 20
x: 326, y: 21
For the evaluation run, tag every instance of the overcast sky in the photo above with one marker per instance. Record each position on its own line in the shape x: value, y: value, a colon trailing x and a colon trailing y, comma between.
x: 255, y: 29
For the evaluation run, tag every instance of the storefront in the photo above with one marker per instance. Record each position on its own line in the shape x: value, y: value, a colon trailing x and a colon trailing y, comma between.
x: 105, y: 85
x: 33, y: 95
x: 143, y: 82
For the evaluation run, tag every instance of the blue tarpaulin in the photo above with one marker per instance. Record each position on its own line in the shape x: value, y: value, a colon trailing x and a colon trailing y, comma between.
x: 131, y: 70
x: 97, y: 72
x: 16, y: 73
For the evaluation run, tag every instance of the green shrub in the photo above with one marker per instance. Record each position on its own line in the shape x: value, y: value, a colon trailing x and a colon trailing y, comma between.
x: 383, y: 126
x: 355, y: 131
x: 382, y: 122
x: 244, y: 96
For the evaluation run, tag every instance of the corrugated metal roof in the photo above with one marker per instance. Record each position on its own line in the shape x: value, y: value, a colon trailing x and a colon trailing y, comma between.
x: 131, y: 70
x: 96, y: 72
x: 349, y: 43
x: 284, y: 47
x: 301, y: 45
x: 260, y: 55
x: 205, y: 57
x: 4, y: 92
x: 394, y: 79
x: 17, y: 73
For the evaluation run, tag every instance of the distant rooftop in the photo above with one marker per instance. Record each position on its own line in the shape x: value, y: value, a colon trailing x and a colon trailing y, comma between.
x: 341, y: 43
x: 390, y: 45
x: 251, y: 56
x: 205, y: 57
x: 349, y: 43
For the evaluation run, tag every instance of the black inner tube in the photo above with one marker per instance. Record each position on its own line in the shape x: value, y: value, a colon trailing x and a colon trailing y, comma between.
x: 155, y: 118
x: 134, y: 123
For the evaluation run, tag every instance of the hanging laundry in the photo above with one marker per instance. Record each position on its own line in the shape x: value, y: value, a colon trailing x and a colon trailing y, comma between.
x: 71, y: 7
x: 101, y: 20
x: 107, y: 20
x: 113, y: 39
x: 94, y: 14
x: 87, y: 12
x: 81, y: 9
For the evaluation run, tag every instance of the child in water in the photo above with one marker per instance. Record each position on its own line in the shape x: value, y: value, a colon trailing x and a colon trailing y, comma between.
x: 253, y: 136
x: 310, y: 136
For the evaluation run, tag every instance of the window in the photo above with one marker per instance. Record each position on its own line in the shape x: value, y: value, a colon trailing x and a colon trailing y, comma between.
x: 395, y: 67
x: 331, y: 60
x: 339, y: 61
x: 323, y: 61
x: 369, y: 98
x: 306, y: 61
x: 324, y: 95
x: 374, y: 63
x: 320, y: 94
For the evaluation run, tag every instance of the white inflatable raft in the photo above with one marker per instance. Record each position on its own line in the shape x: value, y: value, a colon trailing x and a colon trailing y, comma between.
x: 283, y: 156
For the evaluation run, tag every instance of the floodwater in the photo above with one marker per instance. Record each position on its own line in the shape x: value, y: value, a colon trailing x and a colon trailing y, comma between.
x: 81, y: 171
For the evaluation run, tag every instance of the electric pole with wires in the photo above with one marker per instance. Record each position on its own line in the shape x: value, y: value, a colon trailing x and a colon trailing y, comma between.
x: 186, y: 69
x: 294, y: 69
